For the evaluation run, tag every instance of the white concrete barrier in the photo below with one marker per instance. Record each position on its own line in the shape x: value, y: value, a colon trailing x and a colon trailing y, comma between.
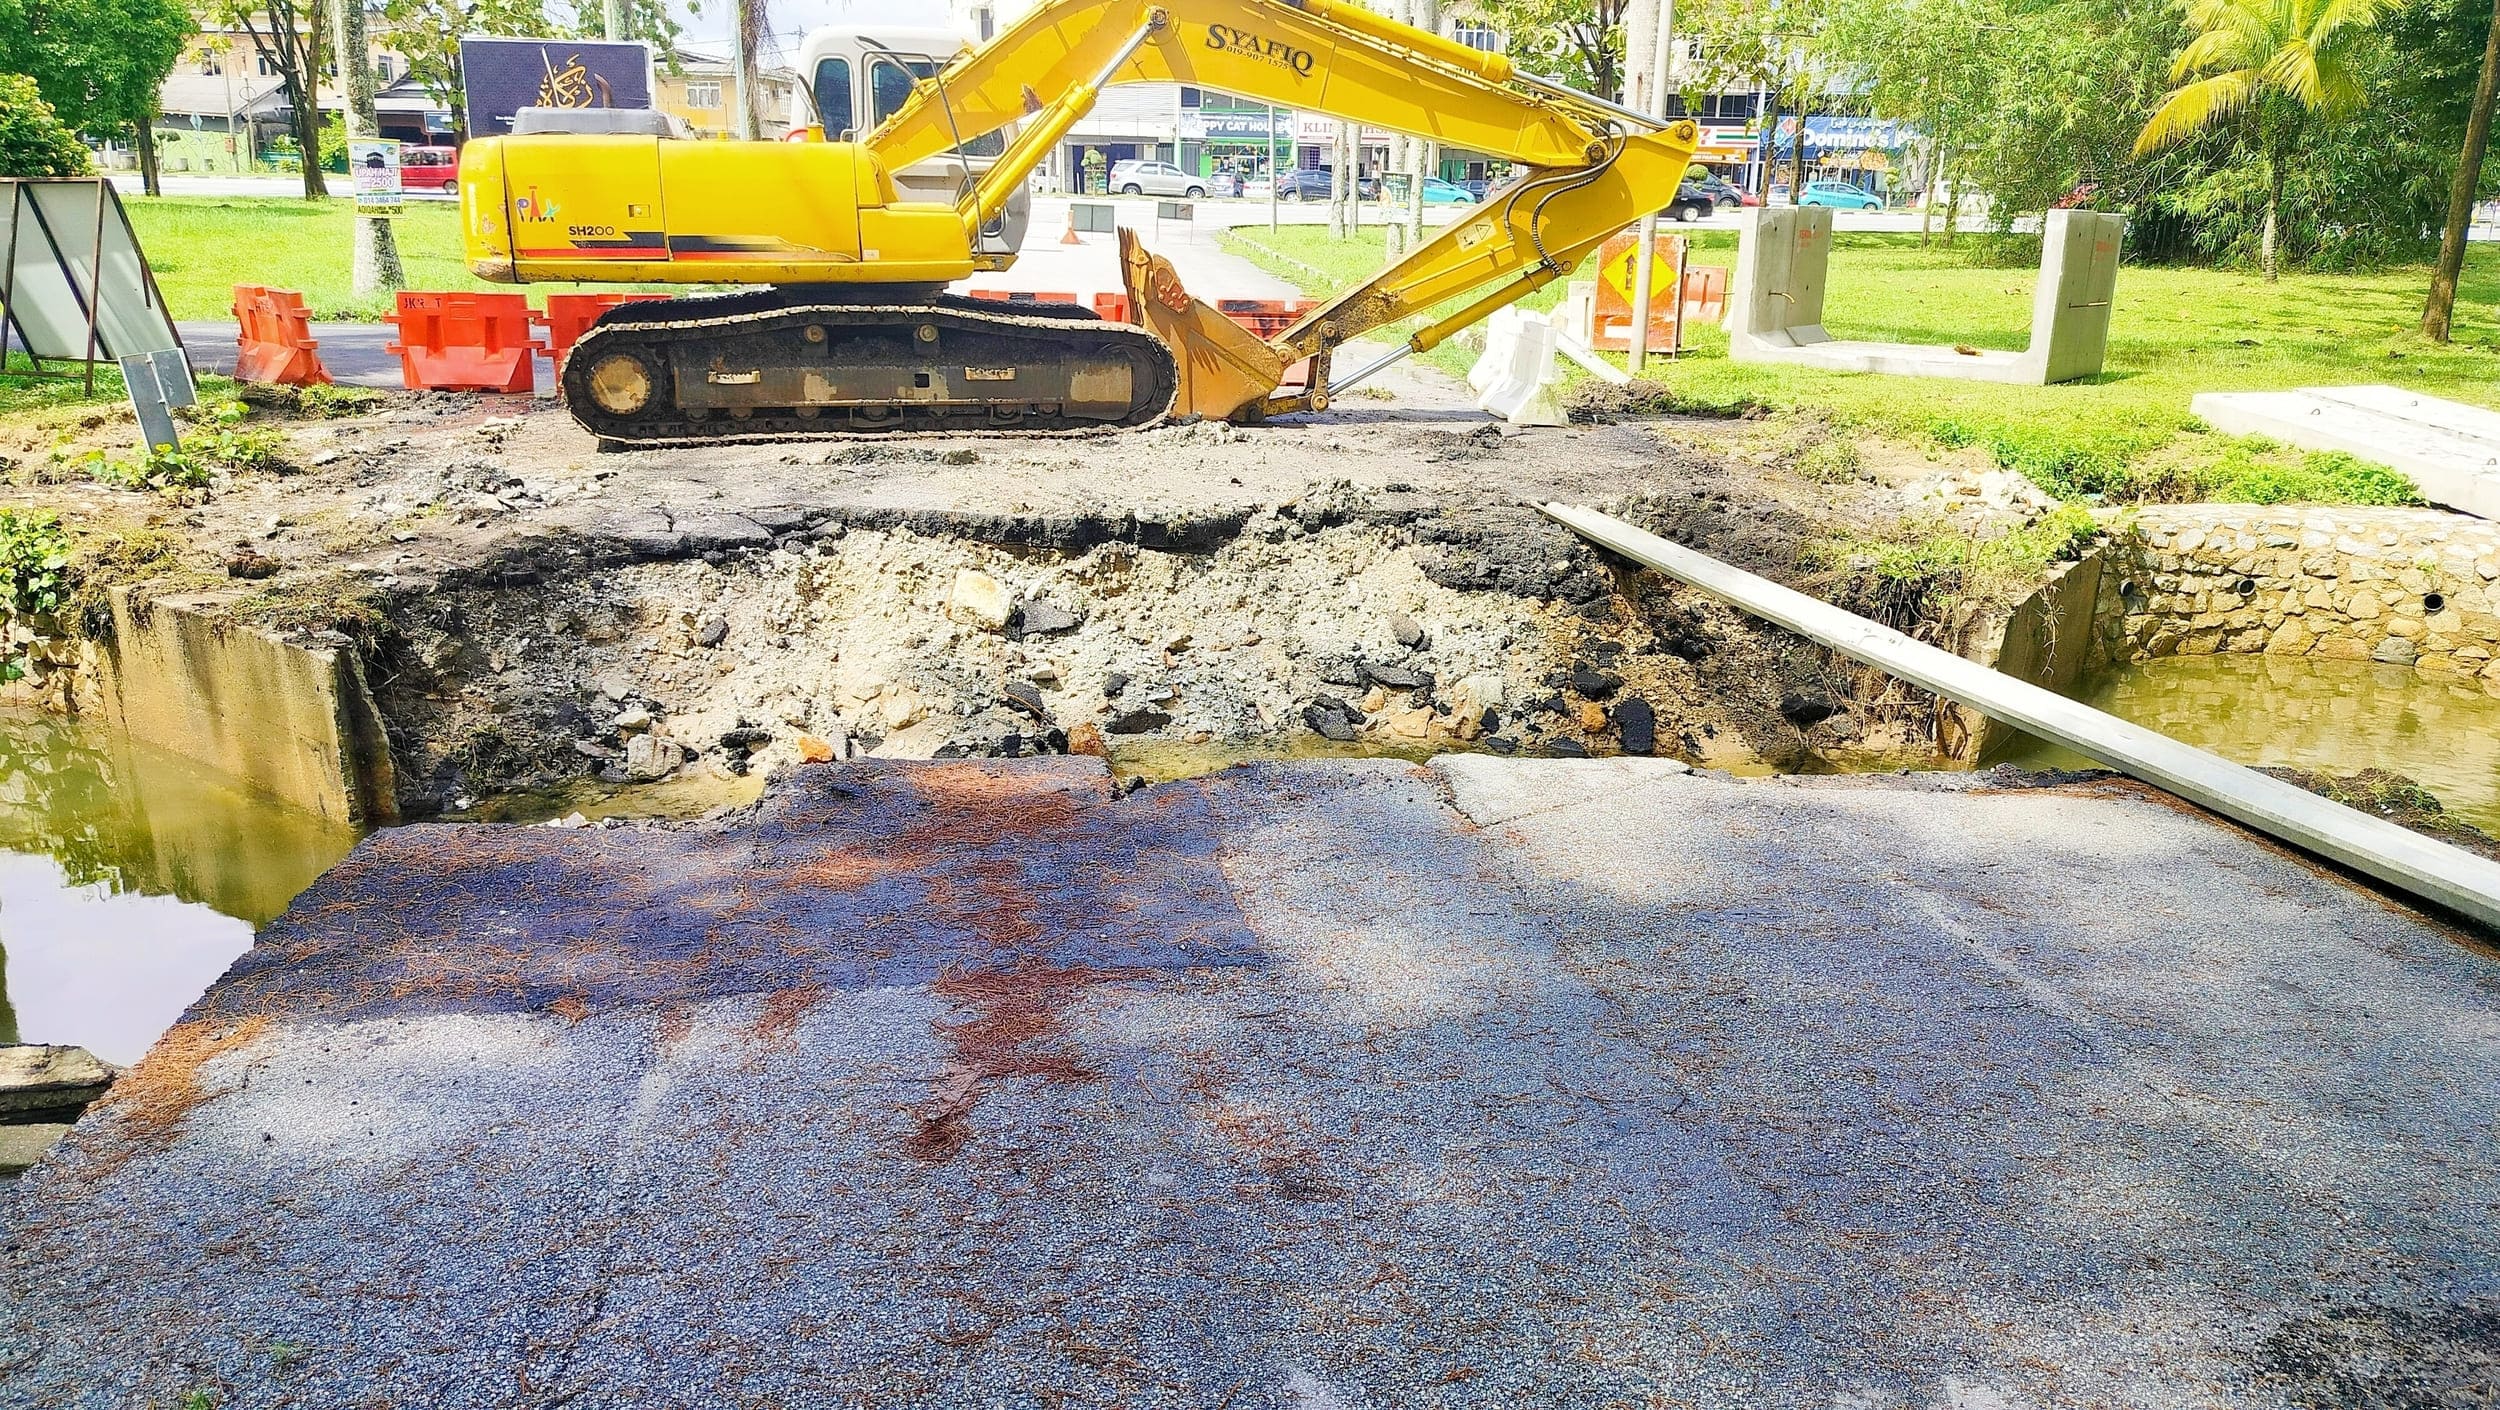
x: 1578, y: 312
x: 1501, y: 338
x: 1775, y: 304
x: 1521, y: 391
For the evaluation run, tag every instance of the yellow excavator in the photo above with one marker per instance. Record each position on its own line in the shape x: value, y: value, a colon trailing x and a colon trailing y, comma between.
x: 852, y: 331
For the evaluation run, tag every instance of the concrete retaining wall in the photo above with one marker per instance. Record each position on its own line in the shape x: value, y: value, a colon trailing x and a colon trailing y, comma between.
x: 2418, y: 587
x: 289, y: 716
x: 2045, y: 640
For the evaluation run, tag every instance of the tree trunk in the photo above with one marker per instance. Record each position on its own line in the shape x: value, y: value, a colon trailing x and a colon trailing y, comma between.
x: 308, y: 144
x: 1935, y: 188
x: 146, y: 130
x: 1341, y: 180
x: 1953, y: 200
x: 308, y: 106
x: 1770, y: 145
x: 2441, y: 307
x: 1427, y: 154
x: 1640, y: 22
x: 1797, y: 159
x: 375, y: 268
x: 752, y: 30
x: 2274, y: 206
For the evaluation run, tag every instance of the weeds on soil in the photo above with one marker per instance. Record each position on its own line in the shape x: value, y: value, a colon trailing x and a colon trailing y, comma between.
x: 1918, y: 574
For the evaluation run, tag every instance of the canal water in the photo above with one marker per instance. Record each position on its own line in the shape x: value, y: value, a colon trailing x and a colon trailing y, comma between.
x: 129, y: 879
x: 2336, y: 717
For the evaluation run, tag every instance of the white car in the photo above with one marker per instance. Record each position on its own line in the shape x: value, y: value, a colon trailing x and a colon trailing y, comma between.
x: 1156, y: 179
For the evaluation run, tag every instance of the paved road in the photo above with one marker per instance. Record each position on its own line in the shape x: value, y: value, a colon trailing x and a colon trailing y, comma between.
x: 1497, y: 1083
x: 352, y: 351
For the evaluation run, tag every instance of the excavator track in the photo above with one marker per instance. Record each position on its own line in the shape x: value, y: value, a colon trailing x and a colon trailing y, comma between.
x: 785, y: 364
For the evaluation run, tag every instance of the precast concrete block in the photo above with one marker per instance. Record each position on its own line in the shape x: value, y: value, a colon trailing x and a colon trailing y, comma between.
x: 1776, y: 315
x: 2449, y: 449
x: 1522, y: 390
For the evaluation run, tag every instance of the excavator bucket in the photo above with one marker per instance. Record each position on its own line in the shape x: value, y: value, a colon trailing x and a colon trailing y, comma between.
x: 1224, y: 370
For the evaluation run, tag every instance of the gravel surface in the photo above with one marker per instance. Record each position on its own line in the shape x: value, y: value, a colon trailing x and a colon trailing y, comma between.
x: 1490, y: 1082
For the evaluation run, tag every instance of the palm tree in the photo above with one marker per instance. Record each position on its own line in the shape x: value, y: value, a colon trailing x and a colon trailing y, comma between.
x: 2279, y: 61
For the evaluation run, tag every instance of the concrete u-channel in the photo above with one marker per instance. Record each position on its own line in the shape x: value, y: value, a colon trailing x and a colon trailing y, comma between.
x: 1488, y: 1081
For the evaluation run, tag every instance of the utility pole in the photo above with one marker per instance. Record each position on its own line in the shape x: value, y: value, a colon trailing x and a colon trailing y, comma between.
x: 1340, y: 180
x: 1640, y: 19
x: 1275, y: 169
x: 615, y: 19
x: 377, y: 269
x: 1427, y: 153
x: 1651, y: 86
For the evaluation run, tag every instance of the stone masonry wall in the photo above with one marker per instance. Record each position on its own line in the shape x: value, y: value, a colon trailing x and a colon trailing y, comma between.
x: 2417, y: 587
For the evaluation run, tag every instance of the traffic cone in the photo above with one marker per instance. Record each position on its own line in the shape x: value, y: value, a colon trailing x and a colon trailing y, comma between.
x: 1071, y: 237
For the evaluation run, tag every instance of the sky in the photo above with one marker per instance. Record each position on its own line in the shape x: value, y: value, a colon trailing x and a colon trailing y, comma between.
x: 792, y: 19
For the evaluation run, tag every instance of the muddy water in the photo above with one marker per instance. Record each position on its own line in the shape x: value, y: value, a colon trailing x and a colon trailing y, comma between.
x: 2335, y: 716
x: 129, y: 879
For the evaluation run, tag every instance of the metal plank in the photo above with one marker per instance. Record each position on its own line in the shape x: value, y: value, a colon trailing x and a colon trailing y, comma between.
x: 2435, y: 871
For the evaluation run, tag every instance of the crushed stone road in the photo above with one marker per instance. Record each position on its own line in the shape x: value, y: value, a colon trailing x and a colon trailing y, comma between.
x: 1488, y: 1082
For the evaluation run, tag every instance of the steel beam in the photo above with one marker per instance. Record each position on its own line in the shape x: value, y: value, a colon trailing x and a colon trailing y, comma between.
x: 2434, y: 871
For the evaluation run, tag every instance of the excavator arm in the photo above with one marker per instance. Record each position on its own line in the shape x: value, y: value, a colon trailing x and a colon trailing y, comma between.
x: 1593, y: 167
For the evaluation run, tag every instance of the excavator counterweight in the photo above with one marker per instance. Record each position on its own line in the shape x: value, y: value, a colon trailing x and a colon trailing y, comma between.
x: 850, y: 333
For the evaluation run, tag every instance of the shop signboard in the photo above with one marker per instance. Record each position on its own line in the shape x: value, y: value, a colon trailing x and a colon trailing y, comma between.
x: 502, y: 76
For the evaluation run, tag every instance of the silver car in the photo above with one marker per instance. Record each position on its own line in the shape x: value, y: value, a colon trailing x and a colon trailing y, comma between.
x: 1156, y: 179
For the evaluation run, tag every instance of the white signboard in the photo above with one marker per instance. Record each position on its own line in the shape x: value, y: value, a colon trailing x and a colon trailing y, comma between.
x: 374, y: 163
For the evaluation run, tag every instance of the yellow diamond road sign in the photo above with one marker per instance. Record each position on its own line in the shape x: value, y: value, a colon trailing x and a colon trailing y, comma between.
x: 1617, y: 272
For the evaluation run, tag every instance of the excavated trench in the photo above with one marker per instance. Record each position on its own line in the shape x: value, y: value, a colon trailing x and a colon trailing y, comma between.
x: 1337, y: 621
x: 510, y: 611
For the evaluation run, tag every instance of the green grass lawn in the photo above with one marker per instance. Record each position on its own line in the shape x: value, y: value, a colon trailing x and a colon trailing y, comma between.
x: 202, y: 246
x: 2174, y: 332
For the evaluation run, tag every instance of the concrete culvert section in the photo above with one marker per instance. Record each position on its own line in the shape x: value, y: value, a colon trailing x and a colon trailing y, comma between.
x: 1598, y: 1081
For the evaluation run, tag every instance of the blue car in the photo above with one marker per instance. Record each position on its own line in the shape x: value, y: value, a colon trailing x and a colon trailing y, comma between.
x: 1841, y: 196
x: 1446, y: 193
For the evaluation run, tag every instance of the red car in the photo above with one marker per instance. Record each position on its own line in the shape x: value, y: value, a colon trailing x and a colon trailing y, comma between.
x: 429, y: 168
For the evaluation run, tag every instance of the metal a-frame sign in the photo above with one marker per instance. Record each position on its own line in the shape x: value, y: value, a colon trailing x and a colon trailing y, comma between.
x: 76, y: 288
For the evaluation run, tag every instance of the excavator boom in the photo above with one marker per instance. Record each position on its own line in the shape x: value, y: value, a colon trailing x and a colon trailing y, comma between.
x: 826, y: 224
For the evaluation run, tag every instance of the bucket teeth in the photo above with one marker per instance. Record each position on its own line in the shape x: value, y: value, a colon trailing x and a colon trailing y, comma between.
x: 1224, y: 369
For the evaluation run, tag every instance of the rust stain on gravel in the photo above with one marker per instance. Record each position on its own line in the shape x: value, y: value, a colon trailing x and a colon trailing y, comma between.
x: 154, y: 1098
x: 1013, y: 1025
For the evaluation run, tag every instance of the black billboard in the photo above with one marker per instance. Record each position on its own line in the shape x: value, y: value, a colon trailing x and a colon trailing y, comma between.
x: 499, y: 77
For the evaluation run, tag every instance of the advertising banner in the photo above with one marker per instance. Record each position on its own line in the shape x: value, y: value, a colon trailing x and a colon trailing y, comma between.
x: 374, y: 163
x: 499, y: 77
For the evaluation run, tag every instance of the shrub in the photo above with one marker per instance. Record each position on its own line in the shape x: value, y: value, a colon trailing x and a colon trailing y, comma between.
x: 35, y: 577
x: 33, y: 141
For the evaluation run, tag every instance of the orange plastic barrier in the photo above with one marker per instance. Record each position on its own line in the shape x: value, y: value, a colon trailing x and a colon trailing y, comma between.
x: 464, y: 342
x: 1003, y: 296
x: 1705, y: 293
x: 569, y: 316
x: 273, y: 339
x: 1613, y: 325
x: 1265, y: 317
